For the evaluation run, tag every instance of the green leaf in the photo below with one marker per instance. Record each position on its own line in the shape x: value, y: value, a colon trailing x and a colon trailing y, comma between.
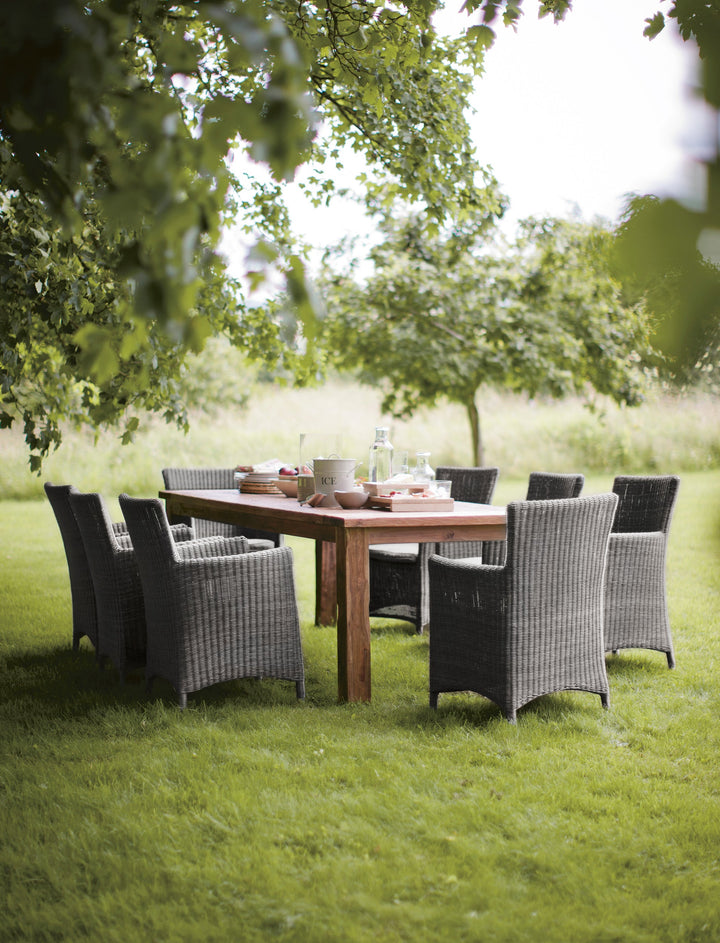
x: 482, y: 37
x: 655, y: 25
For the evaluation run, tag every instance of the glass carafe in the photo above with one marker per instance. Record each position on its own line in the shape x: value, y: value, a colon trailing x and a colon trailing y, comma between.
x: 422, y: 471
x: 381, y: 453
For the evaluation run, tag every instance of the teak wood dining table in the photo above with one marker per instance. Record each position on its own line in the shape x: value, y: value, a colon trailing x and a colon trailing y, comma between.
x: 342, y: 539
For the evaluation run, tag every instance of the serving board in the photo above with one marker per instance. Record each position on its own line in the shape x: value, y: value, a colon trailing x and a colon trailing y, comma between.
x: 410, y: 502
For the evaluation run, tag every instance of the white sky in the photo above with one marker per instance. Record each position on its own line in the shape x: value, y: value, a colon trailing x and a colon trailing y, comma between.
x: 571, y: 116
x: 582, y: 112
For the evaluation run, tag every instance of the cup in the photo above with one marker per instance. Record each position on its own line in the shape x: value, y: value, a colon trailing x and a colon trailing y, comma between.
x: 442, y: 488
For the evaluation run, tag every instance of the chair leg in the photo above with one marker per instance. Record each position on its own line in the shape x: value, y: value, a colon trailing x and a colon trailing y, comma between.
x: 300, y: 690
x: 511, y: 716
x: 182, y: 700
x: 605, y: 701
x: 434, y: 699
x: 670, y: 659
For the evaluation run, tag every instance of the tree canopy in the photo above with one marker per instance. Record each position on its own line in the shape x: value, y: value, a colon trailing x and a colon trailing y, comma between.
x: 117, y: 120
x: 446, y: 315
x: 669, y: 249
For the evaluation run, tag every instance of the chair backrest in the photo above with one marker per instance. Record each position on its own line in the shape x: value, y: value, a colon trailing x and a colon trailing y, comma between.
x: 548, y: 486
x: 94, y: 523
x: 556, y: 551
x: 210, y: 479
x: 116, y: 581
x: 645, y: 503
x: 201, y: 479
x: 150, y: 534
x: 469, y: 484
x: 81, y: 584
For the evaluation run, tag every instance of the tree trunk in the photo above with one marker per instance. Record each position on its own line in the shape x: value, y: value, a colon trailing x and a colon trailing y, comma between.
x: 477, y: 445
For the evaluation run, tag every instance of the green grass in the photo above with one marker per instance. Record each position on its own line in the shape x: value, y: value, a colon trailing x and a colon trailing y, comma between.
x: 250, y: 816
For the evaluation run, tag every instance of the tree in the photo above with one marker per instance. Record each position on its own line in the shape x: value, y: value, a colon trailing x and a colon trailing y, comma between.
x: 116, y: 122
x: 60, y: 298
x: 446, y: 315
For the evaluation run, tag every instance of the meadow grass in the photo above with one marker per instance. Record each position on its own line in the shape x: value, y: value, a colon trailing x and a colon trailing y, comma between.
x: 252, y: 817
x: 520, y: 436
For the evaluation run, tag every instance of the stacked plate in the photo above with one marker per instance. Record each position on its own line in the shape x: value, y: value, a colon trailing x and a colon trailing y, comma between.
x: 259, y: 483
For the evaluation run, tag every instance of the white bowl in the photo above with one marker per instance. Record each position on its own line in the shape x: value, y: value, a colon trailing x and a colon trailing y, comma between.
x: 351, y: 500
x: 288, y: 485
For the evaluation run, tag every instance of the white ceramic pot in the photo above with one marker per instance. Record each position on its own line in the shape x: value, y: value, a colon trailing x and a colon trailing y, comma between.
x: 334, y: 474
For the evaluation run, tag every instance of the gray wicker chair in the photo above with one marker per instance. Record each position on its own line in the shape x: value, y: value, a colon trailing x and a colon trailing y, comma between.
x: 116, y: 585
x: 81, y: 585
x: 542, y: 486
x: 398, y: 572
x: 534, y: 625
x: 222, y: 479
x: 636, y: 613
x: 214, y: 612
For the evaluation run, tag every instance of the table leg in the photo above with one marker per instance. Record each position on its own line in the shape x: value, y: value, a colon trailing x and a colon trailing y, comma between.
x: 353, y: 624
x: 325, y: 583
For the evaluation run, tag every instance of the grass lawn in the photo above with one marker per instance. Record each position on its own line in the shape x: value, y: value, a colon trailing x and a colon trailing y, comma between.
x: 252, y: 817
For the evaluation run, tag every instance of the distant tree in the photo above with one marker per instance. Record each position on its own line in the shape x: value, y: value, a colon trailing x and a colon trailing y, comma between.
x: 117, y: 118
x: 447, y: 315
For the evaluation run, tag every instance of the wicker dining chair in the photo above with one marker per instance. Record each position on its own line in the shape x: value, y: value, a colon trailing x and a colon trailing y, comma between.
x: 398, y: 572
x: 542, y: 486
x: 115, y: 582
x: 535, y: 625
x: 81, y: 584
x: 214, y: 611
x: 211, y: 479
x: 636, y: 612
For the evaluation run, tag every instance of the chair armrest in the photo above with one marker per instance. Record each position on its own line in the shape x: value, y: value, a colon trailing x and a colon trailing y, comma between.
x: 636, y: 540
x: 182, y: 532
x: 632, y: 558
x: 465, y: 566
x: 210, y: 547
x: 467, y: 608
x: 233, y: 568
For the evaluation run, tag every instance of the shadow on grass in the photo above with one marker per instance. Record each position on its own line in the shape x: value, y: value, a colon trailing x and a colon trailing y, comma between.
x: 392, y: 627
x: 631, y: 662
x: 60, y: 684
x: 70, y: 684
x: 481, y: 714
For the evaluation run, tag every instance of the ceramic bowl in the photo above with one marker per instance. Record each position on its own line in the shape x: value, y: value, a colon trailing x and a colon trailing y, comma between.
x: 288, y: 485
x: 350, y: 500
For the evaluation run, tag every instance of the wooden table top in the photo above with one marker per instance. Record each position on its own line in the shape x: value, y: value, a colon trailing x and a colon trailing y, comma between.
x: 286, y: 515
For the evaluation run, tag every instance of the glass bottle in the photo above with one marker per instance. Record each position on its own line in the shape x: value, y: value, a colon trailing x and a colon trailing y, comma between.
x: 422, y: 471
x: 381, y: 452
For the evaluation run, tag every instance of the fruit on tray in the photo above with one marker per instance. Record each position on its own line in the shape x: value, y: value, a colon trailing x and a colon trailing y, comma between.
x: 288, y: 472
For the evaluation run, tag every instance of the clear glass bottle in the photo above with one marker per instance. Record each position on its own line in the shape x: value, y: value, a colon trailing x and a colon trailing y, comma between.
x: 422, y: 471
x: 381, y: 453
